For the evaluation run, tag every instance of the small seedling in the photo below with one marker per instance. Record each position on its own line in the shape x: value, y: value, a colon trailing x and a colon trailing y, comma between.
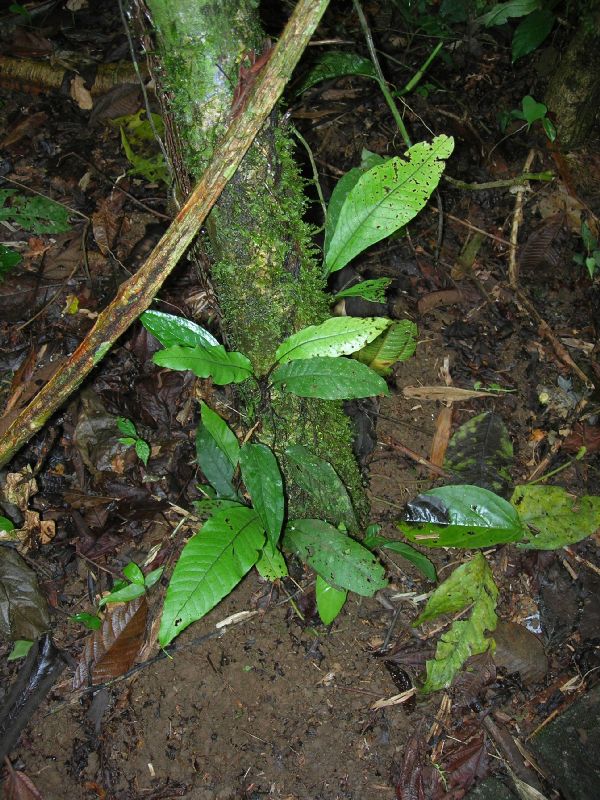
x: 591, y: 258
x: 91, y: 621
x: 135, y: 585
x: 131, y: 439
x: 531, y: 111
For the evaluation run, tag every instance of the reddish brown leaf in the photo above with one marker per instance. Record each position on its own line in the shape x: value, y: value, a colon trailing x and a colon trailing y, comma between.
x: 106, y: 221
x: 111, y: 650
x: 464, y: 765
x: 583, y: 435
x: 18, y: 786
x: 519, y: 650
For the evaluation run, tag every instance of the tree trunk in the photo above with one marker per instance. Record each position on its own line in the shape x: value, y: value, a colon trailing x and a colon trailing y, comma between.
x: 263, y: 265
x: 574, y: 91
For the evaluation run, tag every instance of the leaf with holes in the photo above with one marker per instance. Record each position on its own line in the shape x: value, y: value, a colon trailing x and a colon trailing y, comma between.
x: 329, y: 379
x: 471, y: 584
x: 320, y: 481
x: 372, y: 290
x: 554, y: 518
x: 461, y: 516
x: 397, y: 343
x: 211, y: 564
x: 36, y: 214
x: 338, y: 336
x: 206, y: 362
x: 338, y: 559
x: 385, y: 198
x: 170, y: 330
x: 271, y: 565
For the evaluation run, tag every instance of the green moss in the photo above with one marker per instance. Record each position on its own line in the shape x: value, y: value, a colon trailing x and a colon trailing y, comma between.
x: 268, y: 278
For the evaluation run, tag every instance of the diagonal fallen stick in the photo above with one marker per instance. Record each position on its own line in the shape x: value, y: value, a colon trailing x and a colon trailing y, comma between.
x: 136, y: 294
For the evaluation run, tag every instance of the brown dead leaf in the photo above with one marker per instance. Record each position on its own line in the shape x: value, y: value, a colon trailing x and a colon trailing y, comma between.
x: 18, y: 786
x: 441, y: 436
x: 26, y: 127
x: 81, y: 95
x: 106, y: 221
x: 443, y: 297
x: 519, y: 650
x: 19, y: 487
x: 112, y: 650
x: 36, y: 530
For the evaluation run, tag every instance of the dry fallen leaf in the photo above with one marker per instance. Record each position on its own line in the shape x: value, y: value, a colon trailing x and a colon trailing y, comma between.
x: 112, y: 650
x: 447, y: 394
x: 81, y: 95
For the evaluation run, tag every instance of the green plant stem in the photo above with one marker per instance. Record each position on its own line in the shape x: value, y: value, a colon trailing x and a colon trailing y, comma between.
x: 313, y: 165
x: 380, y: 76
x: 416, y: 78
x: 580, y: 454
x: 516, y: 181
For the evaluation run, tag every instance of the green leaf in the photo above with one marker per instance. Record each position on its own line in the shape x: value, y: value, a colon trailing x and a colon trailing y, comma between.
x: 502, y: 12
x: 532, y: 110
x: 329, y: 379
x: 335, y: 64
x: 472, y: 584
x: 153, y: 577
x: 481, y: 453
x: 554, y: 518
x: 206, y: 362
x: 142, y: 449
x: 337, y: 336
x: 6, y: 525
x: 126, y: 427
x: 222, y: 435
x: 461, y: 516
x: 129, y: 592
x: 91, y: 621
x: 370, y: 159
x: 271, y: 565
x: 170, y: 330
x: 211, y: 505
x: 321, y: 482
x: 340, y: 560
x: 20, y: 649
x: 338, y: 197
x: 417, y: 559
x: 385, y: 198
x: 133, y: 573
x: 549, y: 129
x: 398, y: 343
x: 372, y: 290
x: 35, y: 214
x: 128, y: 441
x: 531, y: 32
x: 262, y: 478
x: 8, y: 259
x: 211, y: 564
x: 330, y: 600
x: 217, y: 451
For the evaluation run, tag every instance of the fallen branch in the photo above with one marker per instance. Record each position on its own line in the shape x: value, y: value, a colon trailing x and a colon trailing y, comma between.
x: 136, y: 294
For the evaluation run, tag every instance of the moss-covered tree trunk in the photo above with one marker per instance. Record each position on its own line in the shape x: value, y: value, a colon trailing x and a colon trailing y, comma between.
x: 573, y: 94
x: 267, y: 279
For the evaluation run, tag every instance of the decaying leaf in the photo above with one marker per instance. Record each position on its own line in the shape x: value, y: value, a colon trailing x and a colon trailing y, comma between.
x: 23, y: 607
x: 112, y: 650
x: 519, y: 650
x: 81, y: 95
x: 18, y: 786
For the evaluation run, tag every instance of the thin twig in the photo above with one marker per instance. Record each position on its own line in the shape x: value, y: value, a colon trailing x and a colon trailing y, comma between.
x: 380, y: 76
x: 513, y: 261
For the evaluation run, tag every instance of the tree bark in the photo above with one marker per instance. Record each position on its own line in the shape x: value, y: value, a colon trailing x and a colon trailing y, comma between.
x: 264, y: 268
x: 574, y: 91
